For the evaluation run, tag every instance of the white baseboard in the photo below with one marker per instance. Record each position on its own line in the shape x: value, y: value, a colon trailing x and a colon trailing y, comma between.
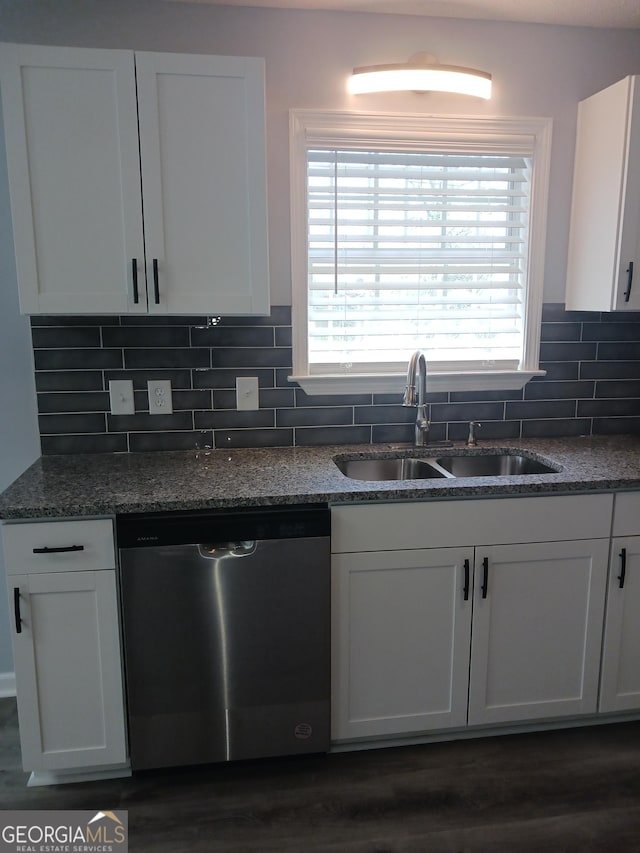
x: 7, y: 684
x: 62, y: 777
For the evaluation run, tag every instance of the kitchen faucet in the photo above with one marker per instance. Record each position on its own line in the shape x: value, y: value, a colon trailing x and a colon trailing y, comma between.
x: 418, y: 364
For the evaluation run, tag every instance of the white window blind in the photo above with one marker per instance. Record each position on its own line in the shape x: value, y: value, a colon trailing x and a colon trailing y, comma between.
x: 416, y: 250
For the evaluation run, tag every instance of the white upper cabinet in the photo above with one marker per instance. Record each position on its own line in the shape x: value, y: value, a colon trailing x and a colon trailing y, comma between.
x: 202, y: 149
x: 604, y: 246
x: 74, y: 175
x: 95, y: 137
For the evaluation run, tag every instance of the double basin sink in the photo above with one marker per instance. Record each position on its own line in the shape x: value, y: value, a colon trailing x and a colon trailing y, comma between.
x: 469, y: 464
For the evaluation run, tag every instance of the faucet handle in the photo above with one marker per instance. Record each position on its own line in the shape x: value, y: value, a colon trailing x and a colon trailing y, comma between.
x: 410, y: 398
x: 472, y: 441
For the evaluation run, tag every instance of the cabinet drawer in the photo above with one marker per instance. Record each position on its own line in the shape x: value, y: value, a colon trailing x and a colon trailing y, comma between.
x: 58, y: 546
x: 626, y: 514
x: 447, y: 524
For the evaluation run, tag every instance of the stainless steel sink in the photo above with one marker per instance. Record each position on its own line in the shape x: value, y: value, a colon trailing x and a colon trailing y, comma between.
x: 468, y: 464
x: 494, y: 465
x: 388, y: 469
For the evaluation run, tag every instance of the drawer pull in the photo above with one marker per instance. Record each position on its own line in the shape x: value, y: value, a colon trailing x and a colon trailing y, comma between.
x: 465, y: 591
x: 64, y: 550
x: 16, y: 609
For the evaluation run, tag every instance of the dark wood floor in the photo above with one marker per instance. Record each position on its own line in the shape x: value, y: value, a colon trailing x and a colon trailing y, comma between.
x: 575, y: 791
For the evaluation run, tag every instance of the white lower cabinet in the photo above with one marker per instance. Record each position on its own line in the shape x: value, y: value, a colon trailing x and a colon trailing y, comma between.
x: 401, y: 625
x: 620, y: 686
x: 62, y: 588
x: 537, y: 630
x: 620, y: 681
x: 491, y: 627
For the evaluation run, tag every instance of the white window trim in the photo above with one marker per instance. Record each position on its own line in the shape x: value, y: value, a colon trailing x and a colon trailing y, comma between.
x: 314, y: 128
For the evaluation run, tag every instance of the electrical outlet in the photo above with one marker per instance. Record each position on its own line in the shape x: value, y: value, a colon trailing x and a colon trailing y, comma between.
x: 121, y: 397
x: 160, y: 402
x: 247, y: 393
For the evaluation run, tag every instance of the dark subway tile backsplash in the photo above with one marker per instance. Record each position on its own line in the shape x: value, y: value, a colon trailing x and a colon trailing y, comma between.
x: 169, y: 358
x: 228, y: 336
x: 592, y: 386
x: 562, y: 332
x: 76, y: 359
x: 51, y: 337
x: 151, y: 336
x: 611, y: 331
x: 551, y: 390
x: 73, y: 401
x: 74, y: 443
x: 69, y: 380
x: 534, y: 409
x: 567, y: 351
x: 552, y: 428
x: 145, y: 441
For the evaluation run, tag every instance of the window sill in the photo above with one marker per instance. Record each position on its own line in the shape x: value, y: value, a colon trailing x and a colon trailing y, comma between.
x: 366, y: 383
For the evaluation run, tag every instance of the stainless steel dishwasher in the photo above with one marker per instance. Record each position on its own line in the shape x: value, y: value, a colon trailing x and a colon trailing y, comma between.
x: 226, y: 628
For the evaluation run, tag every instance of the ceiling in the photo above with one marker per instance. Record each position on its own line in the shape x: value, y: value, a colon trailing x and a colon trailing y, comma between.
x: 583, y: 13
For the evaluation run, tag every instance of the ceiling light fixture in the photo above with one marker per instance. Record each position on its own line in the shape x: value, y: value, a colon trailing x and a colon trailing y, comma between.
x: 422, y: 73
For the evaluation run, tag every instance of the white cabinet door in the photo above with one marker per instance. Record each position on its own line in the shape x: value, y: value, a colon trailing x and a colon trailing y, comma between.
x: 202, y: 144
x: 68, y: 670
x: 400, y: 641
x: 95, y: 135
x: 537, y: 630
x: 620, y: 682
x: 74, y: 175
x: 603, y: 271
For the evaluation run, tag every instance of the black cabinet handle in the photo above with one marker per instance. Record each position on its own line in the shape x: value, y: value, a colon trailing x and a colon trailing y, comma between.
x: 465, y: 590
x: 156, y: 285
x: 623, y: 567
x: 134, y: 274
x: 485, y: 576
x: 629, y: 271
x: 16, y: 609
x: 62, y: 550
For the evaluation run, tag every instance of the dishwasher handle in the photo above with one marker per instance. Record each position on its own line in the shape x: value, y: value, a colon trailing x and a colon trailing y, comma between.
x: 218, y: 550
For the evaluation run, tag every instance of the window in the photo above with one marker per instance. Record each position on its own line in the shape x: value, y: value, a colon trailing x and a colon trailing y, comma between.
x: 413, y: 232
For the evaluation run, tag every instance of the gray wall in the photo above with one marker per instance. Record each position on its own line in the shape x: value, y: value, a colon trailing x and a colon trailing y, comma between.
x: 19, y: 440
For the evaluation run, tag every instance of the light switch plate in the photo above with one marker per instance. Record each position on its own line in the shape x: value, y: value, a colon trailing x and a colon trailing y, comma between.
x: 247, y: 393
x: 121, y: 397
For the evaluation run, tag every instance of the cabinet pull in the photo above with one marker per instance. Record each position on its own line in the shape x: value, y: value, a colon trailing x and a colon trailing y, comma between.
x: 623, y: 567
x: 156, y: 285
x: 134, y: 274
x: 629, y: 271
x: 16, y: 609
x: 465, y: 589
x: 62, y: 550
x: 485, y: 576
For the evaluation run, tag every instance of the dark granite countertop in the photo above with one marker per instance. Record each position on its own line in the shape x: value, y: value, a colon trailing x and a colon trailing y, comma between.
x: 104, y: 484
